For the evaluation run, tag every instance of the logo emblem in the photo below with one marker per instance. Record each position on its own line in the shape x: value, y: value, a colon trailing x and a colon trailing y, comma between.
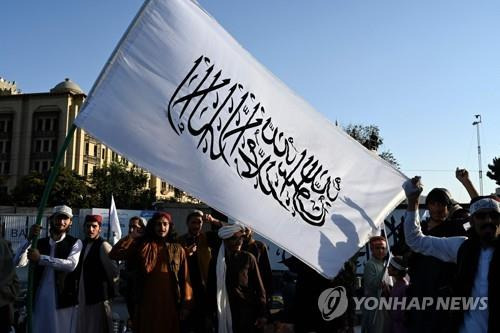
x: 332, y: 303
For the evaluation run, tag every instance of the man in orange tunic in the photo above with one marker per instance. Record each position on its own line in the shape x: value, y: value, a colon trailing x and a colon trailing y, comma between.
x: 164, y: 286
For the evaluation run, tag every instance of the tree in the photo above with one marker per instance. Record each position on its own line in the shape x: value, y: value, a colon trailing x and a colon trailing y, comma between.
x: 494, y: 172
x: 5, y: 197
x: 369, y: 137
x: 29, y: 189
x: 69, y: 188
x: 389, y: 157
x: 126, y: 185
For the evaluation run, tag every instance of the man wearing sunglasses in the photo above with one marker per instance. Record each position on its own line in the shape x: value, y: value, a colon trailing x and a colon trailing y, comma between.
x: 477, y: 257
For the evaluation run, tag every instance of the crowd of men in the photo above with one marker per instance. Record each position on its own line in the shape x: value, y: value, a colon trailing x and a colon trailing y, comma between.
x: 199, y: 282
x: 453, y: 253
x: 221, y: 281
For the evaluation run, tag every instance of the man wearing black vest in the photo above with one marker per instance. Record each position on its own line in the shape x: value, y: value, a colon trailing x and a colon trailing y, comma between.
x: 96, y: 273
x: 477, y: 257
x: 55, y: 284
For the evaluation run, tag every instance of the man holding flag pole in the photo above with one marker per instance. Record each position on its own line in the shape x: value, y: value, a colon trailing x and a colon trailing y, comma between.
x: 55, y: 279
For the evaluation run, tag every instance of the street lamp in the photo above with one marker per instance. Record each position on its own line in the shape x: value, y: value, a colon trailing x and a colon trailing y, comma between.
x: 476, y: 123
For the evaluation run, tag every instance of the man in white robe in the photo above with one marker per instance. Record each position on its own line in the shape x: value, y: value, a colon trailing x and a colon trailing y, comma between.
x: 55, y: 289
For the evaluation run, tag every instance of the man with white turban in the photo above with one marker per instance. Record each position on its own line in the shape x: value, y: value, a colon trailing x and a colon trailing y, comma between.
x: 236, y: 281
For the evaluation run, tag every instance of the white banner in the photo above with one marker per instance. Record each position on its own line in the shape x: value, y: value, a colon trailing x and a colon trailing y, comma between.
x: 182, y: 99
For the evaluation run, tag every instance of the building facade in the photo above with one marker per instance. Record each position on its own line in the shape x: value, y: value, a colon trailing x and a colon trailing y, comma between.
x: 33, y: 128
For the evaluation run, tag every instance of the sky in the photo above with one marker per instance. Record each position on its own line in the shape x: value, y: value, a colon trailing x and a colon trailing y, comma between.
x: 419, y: 70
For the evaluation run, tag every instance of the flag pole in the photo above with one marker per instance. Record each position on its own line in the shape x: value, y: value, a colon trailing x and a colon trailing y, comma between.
x: 41, y: 208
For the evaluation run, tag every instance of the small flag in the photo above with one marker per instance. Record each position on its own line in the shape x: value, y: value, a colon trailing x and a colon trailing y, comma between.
x: 114, y: 223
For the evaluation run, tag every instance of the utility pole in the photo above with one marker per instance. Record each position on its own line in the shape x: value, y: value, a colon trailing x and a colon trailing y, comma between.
x: 476, y: 123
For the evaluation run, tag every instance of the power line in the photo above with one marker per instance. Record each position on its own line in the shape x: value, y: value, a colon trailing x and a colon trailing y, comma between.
x: 434, y: 170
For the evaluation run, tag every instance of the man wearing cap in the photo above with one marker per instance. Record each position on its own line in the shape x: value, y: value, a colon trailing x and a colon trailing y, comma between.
x: 477, y: 257
x: 96, y: 273
x: 199, y: 246
x: 55, y: 282
x: 236, y: 284
x: 429, y: 276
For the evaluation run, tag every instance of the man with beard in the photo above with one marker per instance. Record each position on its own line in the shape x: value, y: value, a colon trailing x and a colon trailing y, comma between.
x: 477, y: 257
x: 164, y: 288
x: 128, y: 277
x: 199, y: 246
x: 97, y: 273
x: 55, y: 284
x: 236, y: 285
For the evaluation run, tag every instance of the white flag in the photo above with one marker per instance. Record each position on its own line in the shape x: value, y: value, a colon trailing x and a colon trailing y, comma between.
x: 182, y: 99
x: 115, y: 231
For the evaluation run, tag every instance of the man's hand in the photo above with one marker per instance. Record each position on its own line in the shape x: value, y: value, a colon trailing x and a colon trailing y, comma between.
x: 34, y: 231
x: 207, y: 218
x: 413, y: 188
x: 136, y: 233
x: 34, y: 255
x: 462, y: 175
